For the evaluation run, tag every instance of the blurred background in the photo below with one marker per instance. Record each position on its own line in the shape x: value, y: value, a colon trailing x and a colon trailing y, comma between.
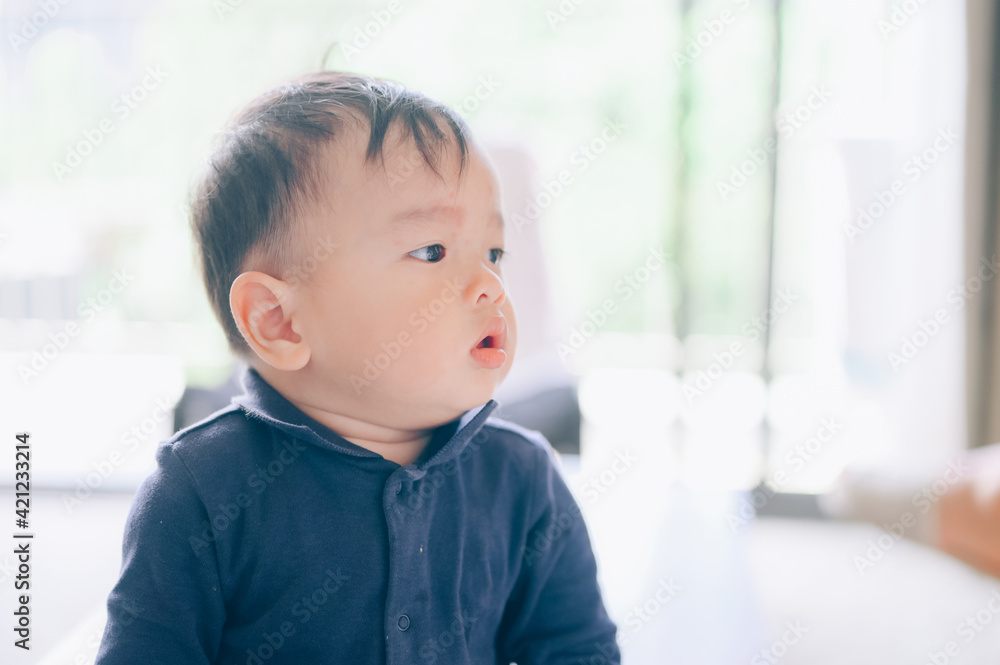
x: 752, y: 250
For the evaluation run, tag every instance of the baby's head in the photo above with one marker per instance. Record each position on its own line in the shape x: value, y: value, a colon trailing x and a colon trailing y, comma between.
x: 351, y: 238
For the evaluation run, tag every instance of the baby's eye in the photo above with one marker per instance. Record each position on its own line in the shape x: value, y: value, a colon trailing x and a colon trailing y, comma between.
x: 496, y: 254
x: 430, y: 253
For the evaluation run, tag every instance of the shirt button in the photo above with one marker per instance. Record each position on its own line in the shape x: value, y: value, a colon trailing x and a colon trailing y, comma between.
x: 399, y: 487
x: 404, y: 622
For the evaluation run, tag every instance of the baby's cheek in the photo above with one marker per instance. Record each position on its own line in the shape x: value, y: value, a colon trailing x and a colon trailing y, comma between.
x: 511, y: 316
x: 413, y: 350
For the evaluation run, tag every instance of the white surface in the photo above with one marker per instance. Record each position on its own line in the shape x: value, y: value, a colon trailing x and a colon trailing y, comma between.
x: 908, y: 604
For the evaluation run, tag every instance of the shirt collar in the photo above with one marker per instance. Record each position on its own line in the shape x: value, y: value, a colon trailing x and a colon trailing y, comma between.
x: 261, y: 401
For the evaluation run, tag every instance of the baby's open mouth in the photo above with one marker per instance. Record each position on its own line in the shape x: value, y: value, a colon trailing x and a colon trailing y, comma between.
x: 489, y: 351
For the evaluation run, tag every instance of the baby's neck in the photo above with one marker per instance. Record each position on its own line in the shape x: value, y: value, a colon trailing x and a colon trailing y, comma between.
x: 402, y: 446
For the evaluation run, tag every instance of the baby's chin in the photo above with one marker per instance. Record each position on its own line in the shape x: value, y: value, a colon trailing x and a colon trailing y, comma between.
x: 457, y: 406
x: 405, y: 397
x: 436, y: 410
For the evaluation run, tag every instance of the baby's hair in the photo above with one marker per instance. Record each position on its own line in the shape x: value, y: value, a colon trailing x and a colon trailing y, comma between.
x: 265, y: 170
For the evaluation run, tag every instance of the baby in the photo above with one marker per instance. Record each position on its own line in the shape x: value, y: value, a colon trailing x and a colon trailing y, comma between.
x: 357, y: 504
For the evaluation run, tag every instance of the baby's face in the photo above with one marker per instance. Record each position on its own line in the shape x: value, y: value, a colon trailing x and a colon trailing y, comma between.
x: 397, y: 316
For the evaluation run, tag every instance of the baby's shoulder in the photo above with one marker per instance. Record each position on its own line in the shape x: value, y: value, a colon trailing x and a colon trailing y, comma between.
x: 516, y: 434
x: 225, y: 440
x: 516, y: 443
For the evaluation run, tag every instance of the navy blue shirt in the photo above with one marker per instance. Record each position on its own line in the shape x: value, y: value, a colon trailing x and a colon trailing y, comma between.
x: 265, y: 537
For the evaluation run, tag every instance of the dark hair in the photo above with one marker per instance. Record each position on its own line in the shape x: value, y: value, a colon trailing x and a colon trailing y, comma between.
x: 265, y: 169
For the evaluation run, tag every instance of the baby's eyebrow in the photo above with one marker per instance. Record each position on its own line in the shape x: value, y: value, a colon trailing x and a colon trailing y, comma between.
x: 450, y: 214
x: 423, y: 215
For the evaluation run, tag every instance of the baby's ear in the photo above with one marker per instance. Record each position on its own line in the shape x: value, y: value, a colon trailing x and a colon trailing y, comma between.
x: 262, y: 308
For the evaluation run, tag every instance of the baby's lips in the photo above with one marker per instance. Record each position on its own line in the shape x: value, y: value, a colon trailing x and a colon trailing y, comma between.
x: 495, y: 329
x: 490, y: 354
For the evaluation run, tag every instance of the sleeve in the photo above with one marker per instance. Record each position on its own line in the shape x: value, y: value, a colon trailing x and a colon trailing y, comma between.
x: 556, y: 615
x: 167, y: 606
